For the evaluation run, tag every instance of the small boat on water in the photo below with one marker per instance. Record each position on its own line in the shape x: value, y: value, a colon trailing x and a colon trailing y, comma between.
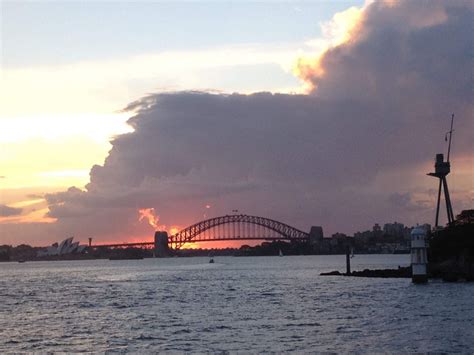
x: 21, y: 261
x: 211, y: 258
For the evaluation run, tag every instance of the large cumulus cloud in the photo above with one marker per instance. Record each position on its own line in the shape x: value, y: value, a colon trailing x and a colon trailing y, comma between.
x: 380, y: 105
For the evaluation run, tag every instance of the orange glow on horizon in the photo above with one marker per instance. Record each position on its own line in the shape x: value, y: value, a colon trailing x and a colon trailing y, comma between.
x: 173, y: 230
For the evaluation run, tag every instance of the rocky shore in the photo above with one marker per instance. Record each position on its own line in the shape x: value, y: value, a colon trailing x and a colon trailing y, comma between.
x: 401, y: 272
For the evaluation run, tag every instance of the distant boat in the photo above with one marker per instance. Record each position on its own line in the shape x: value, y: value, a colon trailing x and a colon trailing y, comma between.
x: 21, y: 261
x: 211, y: 260
x: 280, y: 252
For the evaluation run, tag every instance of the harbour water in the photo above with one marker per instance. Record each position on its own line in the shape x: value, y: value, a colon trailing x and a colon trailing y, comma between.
x: 258, y: 304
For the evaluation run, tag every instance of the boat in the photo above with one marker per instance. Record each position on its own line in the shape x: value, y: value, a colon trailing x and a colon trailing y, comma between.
x: 211, y: 261
x: 21, y: 261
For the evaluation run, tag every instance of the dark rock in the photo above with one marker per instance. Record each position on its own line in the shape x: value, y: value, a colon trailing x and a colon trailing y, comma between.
x: 401, y: 272
x: 450, y: 277
x: 331, y: 273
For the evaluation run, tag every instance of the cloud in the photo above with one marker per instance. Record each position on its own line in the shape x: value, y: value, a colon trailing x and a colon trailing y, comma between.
x: 401, y: 200
x: 401, y: 52
x: 345, y: 156
x: 6, y: 211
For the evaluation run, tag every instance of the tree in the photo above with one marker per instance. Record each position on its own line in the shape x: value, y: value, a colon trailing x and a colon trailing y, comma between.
x: 465, y: 217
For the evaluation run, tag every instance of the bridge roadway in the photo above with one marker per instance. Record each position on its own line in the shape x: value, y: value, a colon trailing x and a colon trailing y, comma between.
x: 123, y: 245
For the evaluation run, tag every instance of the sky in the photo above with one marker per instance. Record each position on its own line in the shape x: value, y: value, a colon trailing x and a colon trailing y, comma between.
x: 312, y: 113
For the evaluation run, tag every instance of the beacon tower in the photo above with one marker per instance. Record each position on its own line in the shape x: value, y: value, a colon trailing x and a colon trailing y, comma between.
x: 419, y: 255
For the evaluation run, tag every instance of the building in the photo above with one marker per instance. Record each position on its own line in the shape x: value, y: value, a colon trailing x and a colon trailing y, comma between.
x: 394, y: 229
x: 67, y: 246
x: 338, y: 241
x: 377, y: 231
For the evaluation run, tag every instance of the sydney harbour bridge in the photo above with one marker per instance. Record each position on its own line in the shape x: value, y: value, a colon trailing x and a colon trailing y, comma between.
x: 229, y: 227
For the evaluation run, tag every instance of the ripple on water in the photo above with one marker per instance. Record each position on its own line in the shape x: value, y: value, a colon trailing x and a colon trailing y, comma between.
x: 244, y: 304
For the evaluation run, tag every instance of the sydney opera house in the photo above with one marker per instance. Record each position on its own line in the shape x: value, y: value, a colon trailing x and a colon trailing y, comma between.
x: 67, y: 246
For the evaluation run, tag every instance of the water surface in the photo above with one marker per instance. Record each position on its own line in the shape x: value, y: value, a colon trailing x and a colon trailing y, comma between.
x: 236, y: 304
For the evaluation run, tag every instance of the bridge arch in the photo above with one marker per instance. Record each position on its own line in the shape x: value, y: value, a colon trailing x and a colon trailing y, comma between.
x: 241, y: 224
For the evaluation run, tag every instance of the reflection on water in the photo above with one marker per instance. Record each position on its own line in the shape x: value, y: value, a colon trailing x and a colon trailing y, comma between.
x: 247, y: 304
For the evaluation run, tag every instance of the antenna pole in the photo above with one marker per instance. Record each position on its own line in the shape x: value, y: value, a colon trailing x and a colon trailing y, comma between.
x: 450, y: 135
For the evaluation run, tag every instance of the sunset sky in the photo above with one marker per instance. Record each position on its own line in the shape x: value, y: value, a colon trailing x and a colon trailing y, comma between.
x: 312, y: 113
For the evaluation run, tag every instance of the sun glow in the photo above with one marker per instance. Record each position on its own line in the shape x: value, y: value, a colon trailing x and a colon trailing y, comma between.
x: 95, y: 126
x: 60, y: 150
x: 173, y: 230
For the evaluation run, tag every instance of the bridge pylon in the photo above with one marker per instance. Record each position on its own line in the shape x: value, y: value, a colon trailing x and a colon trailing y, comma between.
x: 161, y: 248
x: 316, y: 235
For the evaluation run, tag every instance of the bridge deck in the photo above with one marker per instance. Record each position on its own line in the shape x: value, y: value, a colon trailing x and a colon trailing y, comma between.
x: 117, y: 245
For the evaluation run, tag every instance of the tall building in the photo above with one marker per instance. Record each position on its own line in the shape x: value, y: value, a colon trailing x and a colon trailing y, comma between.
x: 395, y: 229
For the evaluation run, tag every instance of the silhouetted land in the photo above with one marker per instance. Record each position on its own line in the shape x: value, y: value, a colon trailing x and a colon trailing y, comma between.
x: 451, y: 251
x: 450, y: 254
x: 401, y: 272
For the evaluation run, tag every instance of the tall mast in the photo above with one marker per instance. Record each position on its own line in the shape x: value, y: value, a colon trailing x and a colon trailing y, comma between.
x: 442, y: 169
x: 450, y: 136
